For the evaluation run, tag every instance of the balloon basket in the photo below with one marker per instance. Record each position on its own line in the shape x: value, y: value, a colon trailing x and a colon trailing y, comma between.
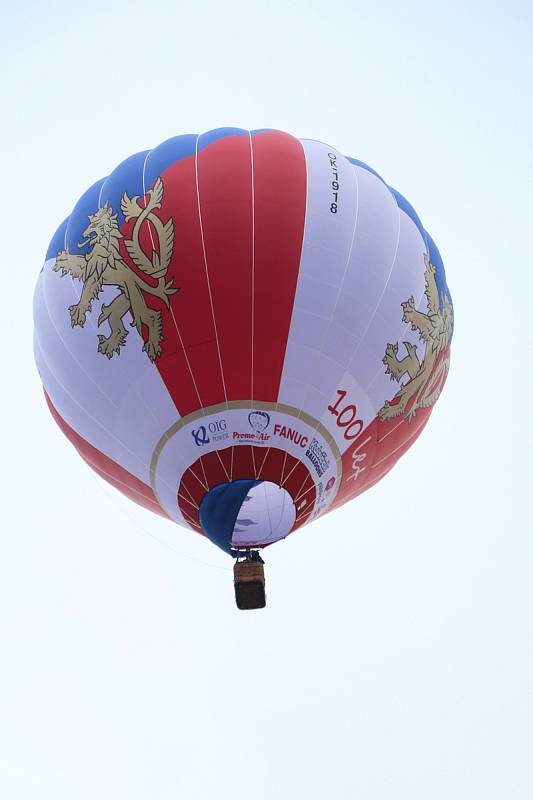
x: 249, y: 581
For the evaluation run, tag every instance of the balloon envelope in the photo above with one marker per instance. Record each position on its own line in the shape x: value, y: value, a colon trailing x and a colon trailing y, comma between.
x: 242, y: 331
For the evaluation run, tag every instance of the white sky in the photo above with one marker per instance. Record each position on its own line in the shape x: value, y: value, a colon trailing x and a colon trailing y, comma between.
x: 395, y: 657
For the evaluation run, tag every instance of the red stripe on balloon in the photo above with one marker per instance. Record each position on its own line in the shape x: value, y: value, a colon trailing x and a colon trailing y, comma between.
x: 226, y: 211
x: 237, y: 245
x: 188, y: 363
x: 387, y: 461
x: 280, y: 192
x: 108, y: 469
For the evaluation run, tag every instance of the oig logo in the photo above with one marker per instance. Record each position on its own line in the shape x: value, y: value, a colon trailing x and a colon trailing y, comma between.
x: 214, y: 430
x: 200, y: 436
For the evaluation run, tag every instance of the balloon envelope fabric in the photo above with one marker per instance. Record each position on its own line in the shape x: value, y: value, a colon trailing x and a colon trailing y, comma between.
x: 242, y: 331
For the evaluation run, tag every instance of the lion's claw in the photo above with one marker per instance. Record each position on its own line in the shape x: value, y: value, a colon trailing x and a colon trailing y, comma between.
x: 109, y: 345
x: 77, y: 315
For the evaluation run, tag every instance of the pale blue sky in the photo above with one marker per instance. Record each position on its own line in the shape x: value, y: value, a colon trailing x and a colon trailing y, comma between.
x: 400, y: 666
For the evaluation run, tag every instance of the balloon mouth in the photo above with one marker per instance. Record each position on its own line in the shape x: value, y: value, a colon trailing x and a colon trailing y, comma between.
x: 247, y: 514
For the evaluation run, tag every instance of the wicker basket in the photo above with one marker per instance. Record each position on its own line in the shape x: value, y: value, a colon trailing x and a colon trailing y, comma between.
x: 249, y: 580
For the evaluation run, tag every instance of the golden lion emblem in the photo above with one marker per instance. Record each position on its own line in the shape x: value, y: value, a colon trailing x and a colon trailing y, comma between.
x: 103, y: 265
x: 426, y: 377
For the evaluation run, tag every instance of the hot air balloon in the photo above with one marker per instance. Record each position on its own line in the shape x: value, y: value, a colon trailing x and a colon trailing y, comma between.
x: 241, y: 331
